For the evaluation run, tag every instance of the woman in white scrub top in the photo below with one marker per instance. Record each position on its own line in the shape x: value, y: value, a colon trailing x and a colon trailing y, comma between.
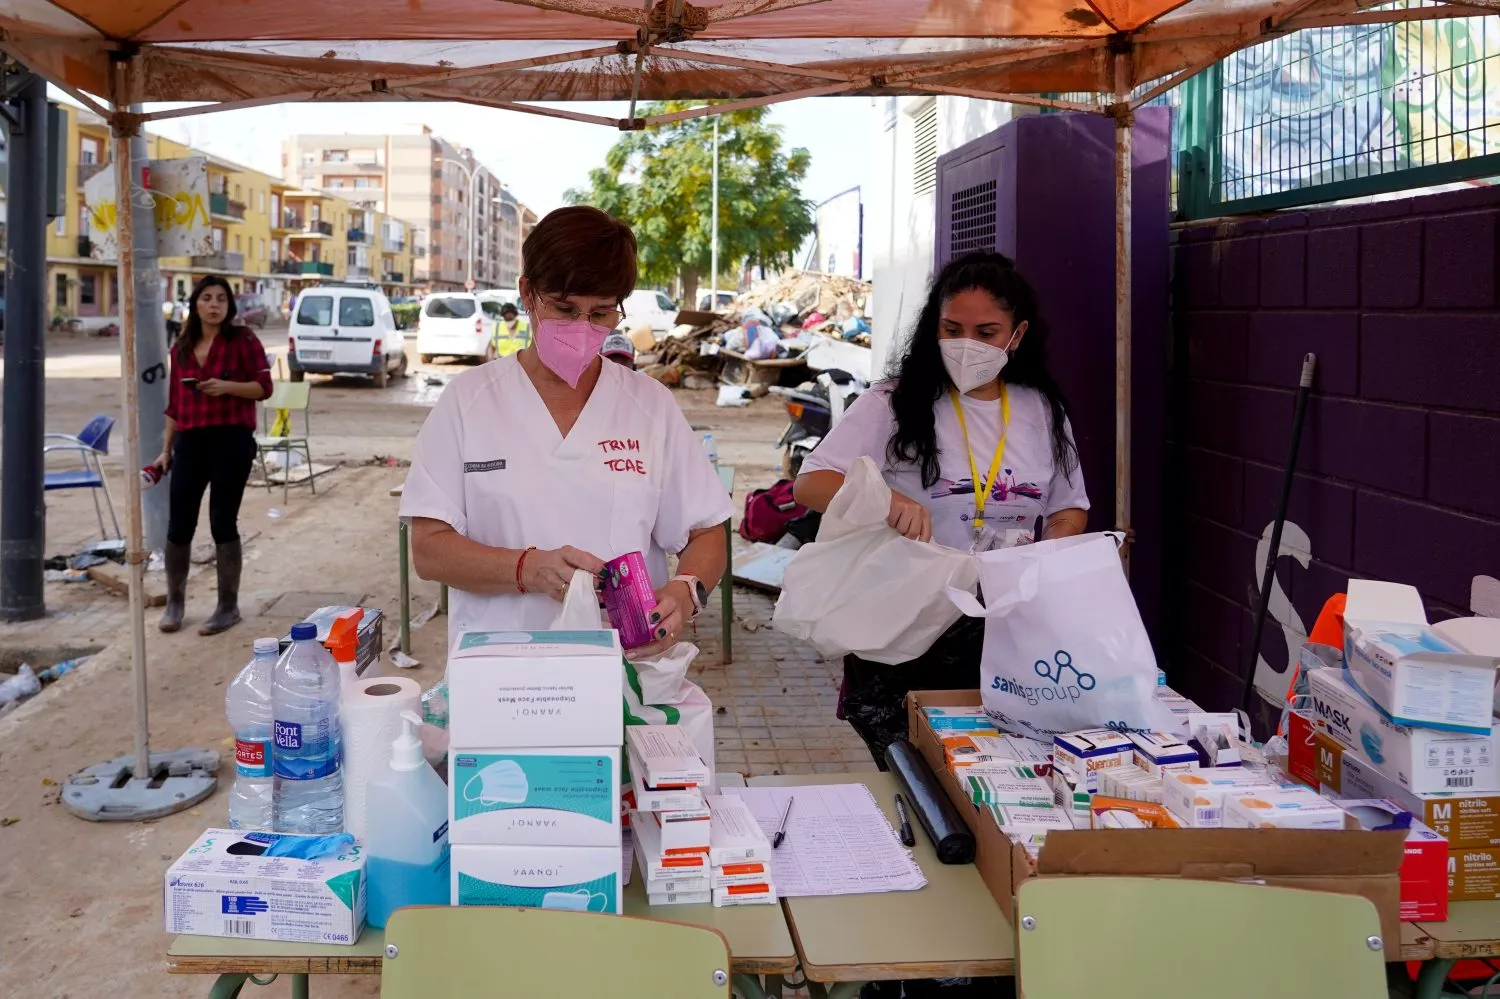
x: 972, y: 436
x: 536, y: 465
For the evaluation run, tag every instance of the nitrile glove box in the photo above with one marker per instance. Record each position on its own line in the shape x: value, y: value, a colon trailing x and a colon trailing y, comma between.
x: 525, y: 690
x: 541, y: 797
x: 1416, y: 759
x: 223, y: 887
x: 572, y: 878
x: 1411, y: 674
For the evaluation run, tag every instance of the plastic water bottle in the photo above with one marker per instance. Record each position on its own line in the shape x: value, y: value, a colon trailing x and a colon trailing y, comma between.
x: 711, y: 449
x: 248, y: 704
x: 308, y: 795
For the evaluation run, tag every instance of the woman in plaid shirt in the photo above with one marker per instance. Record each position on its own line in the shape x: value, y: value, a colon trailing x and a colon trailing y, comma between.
x: 219, y: 372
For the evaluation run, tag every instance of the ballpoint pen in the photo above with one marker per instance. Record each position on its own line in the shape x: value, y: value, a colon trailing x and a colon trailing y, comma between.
x: 781, y: 833
x: 907, y: 837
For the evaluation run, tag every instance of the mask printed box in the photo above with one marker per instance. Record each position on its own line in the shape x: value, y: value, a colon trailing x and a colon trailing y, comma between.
x: 573, y: 878
x: 540, y: 797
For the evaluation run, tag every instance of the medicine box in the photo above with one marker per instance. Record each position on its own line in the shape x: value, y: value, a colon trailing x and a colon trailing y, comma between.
x: 690, y: 884
x: 761, y: 894
x: 1196, y: 797
x: 962, y: 750
x: 1070, y: 797
x: 1419, y: 759
x: 666, y: 757
x: 1462, y: 819
x: 534, y: 689
x: 701, y: 897
x: 655, y: 862
x: 1151, y: 814
x: 1413, y: 675
x: 224, y: 886
x: 684, y: 831
x: 542, y: 797
x: 1158, y: 751
x: 1284, y: 808
x: 1083, y: 754
x: 672, y: 798
x: 573, y: 878
x: 1014, y: 784
x: 1424, y: 865
x: 734, y: 835
x: 949, y: 721
x: 748, y: 872
x: 1029, y: 824
x: 1117, y: 818
x: 1473, y: 874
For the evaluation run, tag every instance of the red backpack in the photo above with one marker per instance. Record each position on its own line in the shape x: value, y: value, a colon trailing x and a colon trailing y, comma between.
x: 768, y: 511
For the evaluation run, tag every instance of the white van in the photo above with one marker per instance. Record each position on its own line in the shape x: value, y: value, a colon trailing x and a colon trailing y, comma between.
x: 345, y: 330
x: 456, y: 324
x: 652, y: 307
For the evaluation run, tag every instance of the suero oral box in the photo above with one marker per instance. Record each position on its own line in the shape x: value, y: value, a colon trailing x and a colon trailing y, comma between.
x: 224, y: 886
x: 524, y: 690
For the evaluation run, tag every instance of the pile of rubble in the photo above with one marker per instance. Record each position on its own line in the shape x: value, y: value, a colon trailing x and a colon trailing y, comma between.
x: 777, y: 319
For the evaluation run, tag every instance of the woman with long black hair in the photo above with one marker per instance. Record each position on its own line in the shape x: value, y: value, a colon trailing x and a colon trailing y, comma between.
x: 219, y: 373
x: 972, y: 436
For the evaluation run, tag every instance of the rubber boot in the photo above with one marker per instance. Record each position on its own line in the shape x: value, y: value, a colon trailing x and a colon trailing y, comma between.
x: 178, y: 560
x: 227, y: 614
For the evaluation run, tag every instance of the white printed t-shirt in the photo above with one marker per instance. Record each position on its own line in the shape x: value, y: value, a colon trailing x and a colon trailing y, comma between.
x: 1029, y: 486
x: 631, y: 476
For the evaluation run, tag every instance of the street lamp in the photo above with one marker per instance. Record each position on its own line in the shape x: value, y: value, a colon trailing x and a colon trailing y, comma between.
x: 473, y: 174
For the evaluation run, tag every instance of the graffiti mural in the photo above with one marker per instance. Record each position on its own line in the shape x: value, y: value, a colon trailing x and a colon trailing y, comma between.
x: 1329, y: 104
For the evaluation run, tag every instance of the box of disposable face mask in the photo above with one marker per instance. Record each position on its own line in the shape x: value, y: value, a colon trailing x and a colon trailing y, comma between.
x: 574, y: 878
x: 1413, y: 675
x: 542, y: 797
x: 534, y: 689
x: 224, y: 886
x: 1417, y: 759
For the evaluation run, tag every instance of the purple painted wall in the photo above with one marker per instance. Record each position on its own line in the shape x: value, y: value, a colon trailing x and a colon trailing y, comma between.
x: 1399, y: 474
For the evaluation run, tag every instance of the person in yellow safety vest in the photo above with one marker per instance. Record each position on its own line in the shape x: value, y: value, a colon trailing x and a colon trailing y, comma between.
x: 511, y: 332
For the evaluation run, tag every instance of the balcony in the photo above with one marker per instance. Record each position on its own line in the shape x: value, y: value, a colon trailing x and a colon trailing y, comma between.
x: 317, y: 229
x: 289, y: 220
x: 286, y: 267
x: 226, y: 262
x: 223, y: 206
x: 419, y: 251
x: 395, y: 245
x: 322, y: 267
x: 87, y: 170
x: 357, y: 236
x: 85, y: 246
x: 393, y: 277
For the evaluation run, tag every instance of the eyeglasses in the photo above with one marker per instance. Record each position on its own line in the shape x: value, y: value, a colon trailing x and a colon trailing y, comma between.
x: 603, y: 318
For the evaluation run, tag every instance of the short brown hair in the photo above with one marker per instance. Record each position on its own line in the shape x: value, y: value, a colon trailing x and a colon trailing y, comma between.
x: 580, y: 250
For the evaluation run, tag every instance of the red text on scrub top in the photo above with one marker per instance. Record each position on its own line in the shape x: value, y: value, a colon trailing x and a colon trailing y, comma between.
x: 635, y: 465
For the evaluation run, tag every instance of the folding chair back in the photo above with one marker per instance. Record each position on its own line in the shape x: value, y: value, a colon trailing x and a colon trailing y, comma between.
x: 96, y: 433
x: 544, y: 953
x: 292, y: 397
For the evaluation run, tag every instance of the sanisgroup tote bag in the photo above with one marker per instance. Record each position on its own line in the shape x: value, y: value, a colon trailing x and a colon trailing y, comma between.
x: 1064, y: 647
x: 863, y: 588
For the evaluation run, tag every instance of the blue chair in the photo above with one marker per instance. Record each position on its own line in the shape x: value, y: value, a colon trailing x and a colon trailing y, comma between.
x: 91, y: 443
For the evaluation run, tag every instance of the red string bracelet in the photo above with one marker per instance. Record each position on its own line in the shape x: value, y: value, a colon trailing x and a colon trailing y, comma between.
x: 520, y: 562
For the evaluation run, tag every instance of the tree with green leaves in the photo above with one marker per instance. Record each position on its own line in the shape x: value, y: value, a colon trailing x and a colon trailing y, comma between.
x: 660, y: 182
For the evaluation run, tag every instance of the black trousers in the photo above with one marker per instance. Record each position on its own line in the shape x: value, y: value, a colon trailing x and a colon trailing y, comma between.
x: 215, y: 459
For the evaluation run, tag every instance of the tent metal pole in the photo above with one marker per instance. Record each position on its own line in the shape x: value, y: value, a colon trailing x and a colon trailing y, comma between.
x: 1124, y: 119
x: 121, y: 128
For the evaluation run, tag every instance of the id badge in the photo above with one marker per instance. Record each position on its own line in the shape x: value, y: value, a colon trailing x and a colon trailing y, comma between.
x: 980, y: 541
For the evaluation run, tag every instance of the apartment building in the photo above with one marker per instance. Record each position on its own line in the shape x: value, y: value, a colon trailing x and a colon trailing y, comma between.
x: 455, y: 203
x: 261, y: 242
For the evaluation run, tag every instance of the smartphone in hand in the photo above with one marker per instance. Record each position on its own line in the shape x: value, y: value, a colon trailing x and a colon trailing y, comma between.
x: 190, y: 383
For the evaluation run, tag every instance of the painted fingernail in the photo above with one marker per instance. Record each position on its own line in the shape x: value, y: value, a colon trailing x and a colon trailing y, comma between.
x: 661, y: 633
x: 604, y: 575
x: 655, y: 616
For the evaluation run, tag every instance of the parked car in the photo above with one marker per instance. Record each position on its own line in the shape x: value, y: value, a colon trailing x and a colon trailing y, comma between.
x: 726, y: 299
x: 252, y: 311
x: 339, y: 330
x: 456, y: 324
x: 652, y: 307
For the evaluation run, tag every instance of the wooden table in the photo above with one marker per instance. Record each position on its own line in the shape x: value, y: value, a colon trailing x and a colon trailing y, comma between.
x: 951, y: 928
x: 1472, y: 931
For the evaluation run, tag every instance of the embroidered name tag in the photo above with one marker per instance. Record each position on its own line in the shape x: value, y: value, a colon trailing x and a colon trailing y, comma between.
x: 485, y: 466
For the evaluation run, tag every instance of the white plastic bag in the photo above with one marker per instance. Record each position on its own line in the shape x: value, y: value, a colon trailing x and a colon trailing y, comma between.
x: 580, y: 609
x: 660, y: 680
x: 863, y: 588
x: 1064, y: 647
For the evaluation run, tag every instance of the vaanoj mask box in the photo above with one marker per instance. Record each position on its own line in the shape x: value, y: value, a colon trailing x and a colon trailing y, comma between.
x: 572, y: 878
x: 541, y: 797
x: 529, y: 690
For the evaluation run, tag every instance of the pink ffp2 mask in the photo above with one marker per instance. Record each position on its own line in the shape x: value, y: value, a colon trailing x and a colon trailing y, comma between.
x: 568, y: 346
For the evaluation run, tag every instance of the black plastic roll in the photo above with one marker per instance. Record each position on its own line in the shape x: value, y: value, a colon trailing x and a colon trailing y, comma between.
x: 940, y: 820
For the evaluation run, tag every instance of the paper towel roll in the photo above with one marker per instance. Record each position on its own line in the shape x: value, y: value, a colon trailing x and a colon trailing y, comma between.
x: 370, y: 718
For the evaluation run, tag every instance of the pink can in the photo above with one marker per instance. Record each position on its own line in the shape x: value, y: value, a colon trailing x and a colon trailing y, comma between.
x: 629, y: 599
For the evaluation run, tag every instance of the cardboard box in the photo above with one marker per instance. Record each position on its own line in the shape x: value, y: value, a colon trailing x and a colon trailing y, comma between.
x: 1462, y: 819
x: 1419, y: 759
x: 540, y: 797
x: 1424, y: 871
x: 666, y: 757
x: 573, y: 878
x: 1346, y: 862
x: 1414, y: 676
x: 530, y: 690
x: 1473, y: 874
x: 1301, y: 756
x: 734, y: 836
x: 1081, y: 755
x: 223, y: 887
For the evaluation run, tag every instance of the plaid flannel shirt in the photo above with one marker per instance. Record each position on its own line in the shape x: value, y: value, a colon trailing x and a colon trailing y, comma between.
x: 236, y: 355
